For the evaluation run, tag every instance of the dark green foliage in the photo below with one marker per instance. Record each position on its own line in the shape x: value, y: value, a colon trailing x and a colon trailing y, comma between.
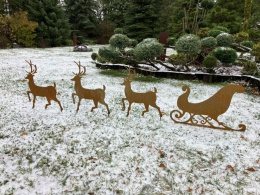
x: 221, y: 28
x: 224, y: 39
x: 214, y: 33
x: 225, y: 54
x: 109, y: 54
x: 140, y: 18
x: 82, y: 16
x: 256, y: 51
x: 241, y: 36
x: 118, y: 31
x: 133, y: 42
x: 177, y: 59
x: 203, y: 32
x: 249, y: 44
x: 188, y: 44
x: 210, y: 61
x: 249, y: 66
x: 208, y: 43
x: 171, y: 41
x: 106, y: 30
x: 207, y: 4
x: 94, y: 56
x: 119, y: 41
x: 148, y: 50
x: 53, y: 28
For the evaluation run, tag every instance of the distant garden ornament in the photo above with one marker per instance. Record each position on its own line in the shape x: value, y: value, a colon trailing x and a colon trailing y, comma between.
x: 48, y: 92
x: 97, y: 95
x: 208, y: 111
x: 148, y: 98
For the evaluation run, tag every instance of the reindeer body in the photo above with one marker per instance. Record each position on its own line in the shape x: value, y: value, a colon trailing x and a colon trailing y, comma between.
x: 49, y: 92
x: 148, y: 98
x: 97, y: 95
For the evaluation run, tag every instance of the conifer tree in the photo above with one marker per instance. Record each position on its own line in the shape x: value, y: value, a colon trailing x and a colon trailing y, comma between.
x: 82, y: 16
x: 53, y: 27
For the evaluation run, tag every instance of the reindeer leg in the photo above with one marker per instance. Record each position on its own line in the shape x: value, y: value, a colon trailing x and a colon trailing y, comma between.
x: 104, y: 103
x: 73, y: 94
x: 56, y: 100
x: 78, y: 105
x: 28, y: 92
x: 123, y: 101
x: 129, y: 108
x: 96, y: 105
x: 49, y: 102
x: 146, y: 109
x: 158, y: 108
x: 34, y: 98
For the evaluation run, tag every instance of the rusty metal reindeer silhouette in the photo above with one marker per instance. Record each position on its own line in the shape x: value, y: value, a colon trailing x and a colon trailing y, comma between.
x: 208, y: 110
x: 148, y: 98
x: 49, y: 92
x: 97, y: 95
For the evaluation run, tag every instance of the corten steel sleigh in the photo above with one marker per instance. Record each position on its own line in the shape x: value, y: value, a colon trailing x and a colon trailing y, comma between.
x: 97, y: 95
x: 148, y: 98
x: 48, y: 92
x: 209, y: 110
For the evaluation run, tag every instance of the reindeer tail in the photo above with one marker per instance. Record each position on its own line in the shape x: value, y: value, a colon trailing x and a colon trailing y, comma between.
x: 54, y: 85
x: 155, y: 90
x: 104, y: 87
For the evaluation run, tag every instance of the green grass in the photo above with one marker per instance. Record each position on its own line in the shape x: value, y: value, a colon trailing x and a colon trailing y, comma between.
x: 124, y: 73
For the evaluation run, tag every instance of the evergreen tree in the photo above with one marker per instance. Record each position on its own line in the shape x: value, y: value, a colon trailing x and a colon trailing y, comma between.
x: 53, y: 28
x: 82, y: 16
x: 141, y: 17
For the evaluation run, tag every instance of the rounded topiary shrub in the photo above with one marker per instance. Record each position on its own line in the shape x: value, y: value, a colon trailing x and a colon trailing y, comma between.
x: 177, y: 59
x: 94, y: 56
x: 188, y: 44
x: 210, y: 61
x: 249, y: 44
x: 242, y: 36
x: 148, y: 50
x: 208, y: 43
x: 109, y: 54
x: 119, y: 41
x: 214, y: 33
x: 224, y: 39
x: 134, y: 42
x: 118, y: 31
x: 221, y: 28
x: 171, y: 41
x: 226, y: 55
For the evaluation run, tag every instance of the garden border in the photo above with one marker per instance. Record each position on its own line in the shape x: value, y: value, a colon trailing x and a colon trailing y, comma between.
x: 206, y: 77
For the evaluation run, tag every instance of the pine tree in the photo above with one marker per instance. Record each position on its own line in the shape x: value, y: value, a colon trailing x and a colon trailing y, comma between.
x: 53, y: 28
x: 82, y: 16
x: 141, y: 18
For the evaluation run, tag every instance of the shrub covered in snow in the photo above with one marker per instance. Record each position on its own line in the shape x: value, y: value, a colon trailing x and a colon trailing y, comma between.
x: 109, y: 54
x: 188, y: 44
x: 210, y: 61
x: 226, y: 55
x: 208, y: 43
x: 224, y: 39
x: 148, y: 50
x: 249, y: 44
x: 119, y: 41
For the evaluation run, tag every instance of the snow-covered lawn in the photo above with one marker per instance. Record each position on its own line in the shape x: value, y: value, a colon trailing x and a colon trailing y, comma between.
x: 52, y: 152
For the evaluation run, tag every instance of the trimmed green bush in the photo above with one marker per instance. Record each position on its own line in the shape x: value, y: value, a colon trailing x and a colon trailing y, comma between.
x: 256, y: 51
x: 210, y: 61
x: 226, y: 55
x: 94, y: 56
x: 177, y: 59
x: 242, y: 36
x: 119, y: 41
x: 148, y: 50
x: 203, y: 32
x: 134, y: 42
x: 171, y: 41
x: 188, y: 44
x: 221, y: 28
x: 118, y: 31
x: 224, y: 39
x: 208, y: 43
x: 249, y: 44
x: 214, y: 33
x: 109, y: 54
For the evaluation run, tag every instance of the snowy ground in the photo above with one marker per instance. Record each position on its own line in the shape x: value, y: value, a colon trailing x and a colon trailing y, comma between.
x: 49, y: 152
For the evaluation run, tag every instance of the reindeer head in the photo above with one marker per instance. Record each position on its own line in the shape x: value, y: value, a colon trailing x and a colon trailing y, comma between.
x: 33, y: 71
x: 130, y: 77
x: 78, y: 76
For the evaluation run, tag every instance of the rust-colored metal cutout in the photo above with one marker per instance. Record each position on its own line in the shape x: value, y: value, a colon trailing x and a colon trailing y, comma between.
x: 97, y: 95
x: 48, y: 92
x: 148, y: 98
x: 208, y: 110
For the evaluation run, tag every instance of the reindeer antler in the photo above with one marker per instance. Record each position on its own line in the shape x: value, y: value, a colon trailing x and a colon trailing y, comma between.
x: 31, y: 65
x: 130, y: 77
x: 80, y: 72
